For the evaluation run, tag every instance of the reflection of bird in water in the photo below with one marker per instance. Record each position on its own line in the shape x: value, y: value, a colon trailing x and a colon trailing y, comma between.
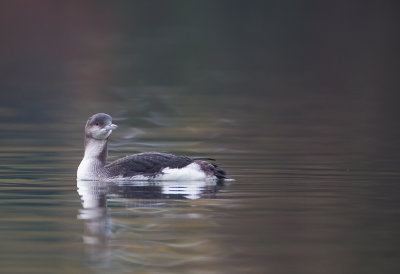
x: 132, y: 220
x: 94, y: 212
x: 98, y: 225
x: 142, y: 166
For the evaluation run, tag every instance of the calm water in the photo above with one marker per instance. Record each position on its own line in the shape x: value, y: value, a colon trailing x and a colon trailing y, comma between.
x: 297, y: 103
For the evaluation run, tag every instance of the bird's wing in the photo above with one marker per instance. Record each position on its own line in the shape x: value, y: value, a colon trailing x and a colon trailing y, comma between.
x: 149, y: 164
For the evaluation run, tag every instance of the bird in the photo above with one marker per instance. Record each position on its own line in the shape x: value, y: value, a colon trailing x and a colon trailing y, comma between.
x: 142, y: 166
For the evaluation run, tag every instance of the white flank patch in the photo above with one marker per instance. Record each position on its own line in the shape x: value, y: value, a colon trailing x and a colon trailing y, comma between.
x: 190, y: 172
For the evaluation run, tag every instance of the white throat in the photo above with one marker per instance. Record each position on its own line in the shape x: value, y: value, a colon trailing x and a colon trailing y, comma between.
x: 95, y: 148
x: 94, y: 160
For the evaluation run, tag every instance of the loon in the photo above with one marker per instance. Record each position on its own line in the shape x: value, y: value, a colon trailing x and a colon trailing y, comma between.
x: 141, y: 166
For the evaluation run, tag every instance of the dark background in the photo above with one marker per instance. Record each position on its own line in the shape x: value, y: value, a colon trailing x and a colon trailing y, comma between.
x: 83, y: 52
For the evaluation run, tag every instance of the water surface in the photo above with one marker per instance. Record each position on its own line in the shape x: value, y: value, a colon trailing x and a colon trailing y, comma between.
x: 297, y: 103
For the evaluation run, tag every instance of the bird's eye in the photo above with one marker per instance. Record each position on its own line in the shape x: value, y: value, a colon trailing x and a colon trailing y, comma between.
x: 97, y: 124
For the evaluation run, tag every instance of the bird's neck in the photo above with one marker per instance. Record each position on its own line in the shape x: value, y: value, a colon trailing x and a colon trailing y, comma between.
x: 96, y: 150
